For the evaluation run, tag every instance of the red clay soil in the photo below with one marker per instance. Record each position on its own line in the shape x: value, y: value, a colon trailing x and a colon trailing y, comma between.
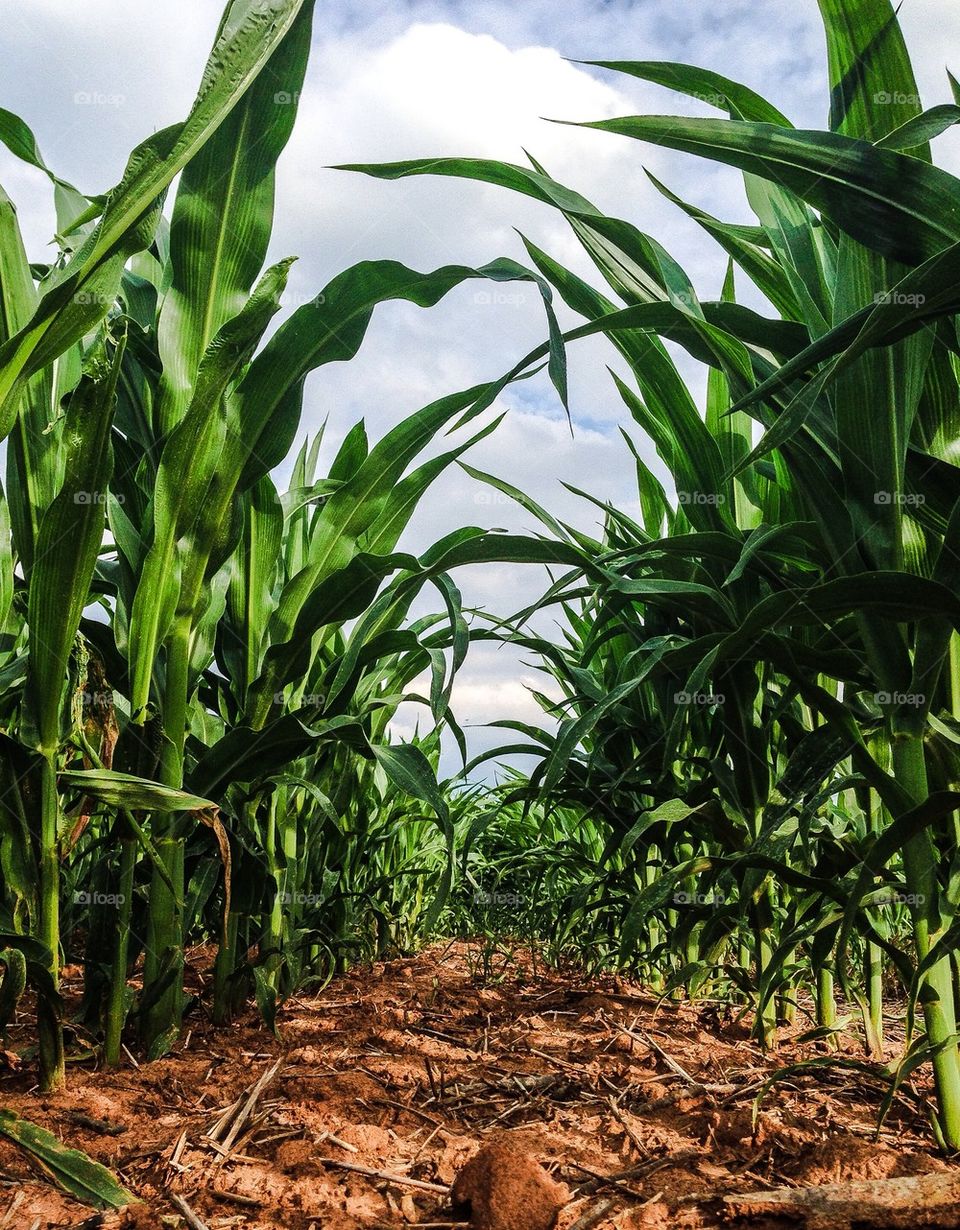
x: 583, y: 1104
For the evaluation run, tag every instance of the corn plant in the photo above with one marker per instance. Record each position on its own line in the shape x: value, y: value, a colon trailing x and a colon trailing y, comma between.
x: 150, y: 641
x: 853, y: 383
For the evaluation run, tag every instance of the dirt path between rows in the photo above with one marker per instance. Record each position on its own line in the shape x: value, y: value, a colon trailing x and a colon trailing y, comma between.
x: 606, y: 1109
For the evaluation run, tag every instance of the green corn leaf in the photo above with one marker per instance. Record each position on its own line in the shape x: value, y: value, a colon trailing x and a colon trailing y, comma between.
x: 702, y: 84
x: 407, y: 767
x: 32, y: 453
x: 130, y: 792
x: 405, y: 496
x: 249, y: 594
x: 889, y: 202
x: 922, y: 128
x: 70, y: 1169
x: 331, y: 329
x: 82, y: 292
x: 194, y: 495
x: 244, y: 754
x: 223, y: 216
x: 872, y: 87
x: 763, y: 270
x: 68, y: 544
x: 20, y: 141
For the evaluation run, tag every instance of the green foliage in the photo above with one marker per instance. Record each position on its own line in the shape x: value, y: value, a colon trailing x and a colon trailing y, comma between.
x: 746, y: 779
x: 759, y: 685
x: 197, y: 673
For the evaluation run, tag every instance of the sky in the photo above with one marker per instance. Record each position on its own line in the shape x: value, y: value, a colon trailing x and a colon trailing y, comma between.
x: 393, y: 79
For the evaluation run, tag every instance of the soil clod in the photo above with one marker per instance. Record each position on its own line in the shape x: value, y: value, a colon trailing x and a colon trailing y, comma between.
x: 504, y: 1188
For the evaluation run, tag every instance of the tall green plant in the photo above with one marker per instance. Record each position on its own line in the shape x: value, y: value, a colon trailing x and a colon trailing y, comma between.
x: 854, y: 386
x: 149, y: 497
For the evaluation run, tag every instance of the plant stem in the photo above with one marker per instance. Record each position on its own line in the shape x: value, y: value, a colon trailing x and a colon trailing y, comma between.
x: 273, y: 923
x: 939, y: 1012
x: 224, y: 967
x: 49, y: 1012
x: 762, y: 915
x: 116, y: 1003
x: 873, y: 955
x: 786, y: 996
x: 826, y: 999
x: 164, y: 959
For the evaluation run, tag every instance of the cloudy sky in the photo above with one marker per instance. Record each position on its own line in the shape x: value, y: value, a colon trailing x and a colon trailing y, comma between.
x: 395, y: 79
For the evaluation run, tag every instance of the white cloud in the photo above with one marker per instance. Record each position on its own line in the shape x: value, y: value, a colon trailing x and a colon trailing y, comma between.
x: 94, y: 79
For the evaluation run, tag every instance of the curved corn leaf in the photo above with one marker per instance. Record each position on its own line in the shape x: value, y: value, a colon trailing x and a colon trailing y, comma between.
x: 130, y: 792
x: 702, y: 84
x: 922, y: 128
x: 20, y: 141
x: 68, y: 544
x: 70, y: 1169
x: 889, y: 202
x: 330, y: 329
x: 223, y: 216
x: 245, y: 755
x: 80, y: 294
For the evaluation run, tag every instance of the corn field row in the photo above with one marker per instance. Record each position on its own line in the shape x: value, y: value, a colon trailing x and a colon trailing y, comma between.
x: 749, y: 785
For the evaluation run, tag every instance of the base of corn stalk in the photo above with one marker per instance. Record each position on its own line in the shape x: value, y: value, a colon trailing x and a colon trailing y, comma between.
x: 938, y: 992
x: 49, y: 1011
x: 50, y: 1046
x: 117, y: 999
x: 227, y: 985
x: 163, y: 971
